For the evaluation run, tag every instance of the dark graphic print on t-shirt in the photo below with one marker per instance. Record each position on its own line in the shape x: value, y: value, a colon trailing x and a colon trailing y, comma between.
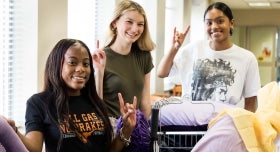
x: 211, y: 79
x: 87, y: 123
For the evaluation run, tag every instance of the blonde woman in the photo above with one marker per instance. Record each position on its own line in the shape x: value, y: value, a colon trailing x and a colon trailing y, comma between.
x: 125, y: 63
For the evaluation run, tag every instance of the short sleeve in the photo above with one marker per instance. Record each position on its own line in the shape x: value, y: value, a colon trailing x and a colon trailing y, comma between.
x: 148, y: 62
x: 252, y: 82
x: 34, y: 116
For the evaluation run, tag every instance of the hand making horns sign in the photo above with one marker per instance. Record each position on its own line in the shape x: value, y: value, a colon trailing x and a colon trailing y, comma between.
x: 178, y: 37
x: 128, y: 113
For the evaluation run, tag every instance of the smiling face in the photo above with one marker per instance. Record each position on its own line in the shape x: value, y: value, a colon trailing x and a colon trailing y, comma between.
x: 218, y: 26
x: 76, y: 69
x: 130, y: 26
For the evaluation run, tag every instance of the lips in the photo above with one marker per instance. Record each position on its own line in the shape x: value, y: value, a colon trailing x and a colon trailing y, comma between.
x: 131, y: 35
x: 217, y: 33
x: 79, y: 78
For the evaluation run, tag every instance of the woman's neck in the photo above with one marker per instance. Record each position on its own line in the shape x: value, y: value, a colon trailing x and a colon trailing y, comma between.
x: 219, y: 46
x: 121, y: 47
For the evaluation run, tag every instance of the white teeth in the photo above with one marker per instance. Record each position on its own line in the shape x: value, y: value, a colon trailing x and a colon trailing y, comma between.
x: 79, y: 78
x: 131, y: 35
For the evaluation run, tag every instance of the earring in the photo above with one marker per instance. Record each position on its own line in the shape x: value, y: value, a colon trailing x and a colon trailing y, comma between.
x: 114, y: 29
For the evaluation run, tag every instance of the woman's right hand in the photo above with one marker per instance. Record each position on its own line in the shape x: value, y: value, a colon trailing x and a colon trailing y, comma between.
x: 99, y: 59
x: 99, y: 63
x: 10, y: 122
x: 167, y: 61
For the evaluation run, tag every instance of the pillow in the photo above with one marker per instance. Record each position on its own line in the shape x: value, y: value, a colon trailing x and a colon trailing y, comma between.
x: 9, y: 140
x: 175, y: 111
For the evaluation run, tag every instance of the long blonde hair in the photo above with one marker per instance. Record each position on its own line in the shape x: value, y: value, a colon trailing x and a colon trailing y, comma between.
x: 144, y: 42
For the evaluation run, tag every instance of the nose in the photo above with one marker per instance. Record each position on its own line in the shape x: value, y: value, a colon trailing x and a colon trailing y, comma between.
x: 80, y: 68
x: 135, y: 28
x: 215, y: 25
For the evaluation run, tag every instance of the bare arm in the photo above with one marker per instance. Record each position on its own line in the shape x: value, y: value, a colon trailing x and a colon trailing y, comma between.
x: 98, y: 75
x: 99, y: 62
x: 8, y: 137
x: 167, y: 60
x: 145, y: 105
x: 166, y: 63
x: 118, y: 145
x: 33, y: 140
x: 251, y: 103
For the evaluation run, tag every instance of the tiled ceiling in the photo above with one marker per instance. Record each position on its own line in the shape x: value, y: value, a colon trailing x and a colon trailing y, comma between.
x: 244, y: 4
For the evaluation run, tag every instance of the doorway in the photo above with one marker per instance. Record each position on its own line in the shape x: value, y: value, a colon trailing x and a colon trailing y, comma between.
x: 263, y: 42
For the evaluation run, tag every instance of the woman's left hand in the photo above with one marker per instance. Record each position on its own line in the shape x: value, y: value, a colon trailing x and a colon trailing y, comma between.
x: 128, y: 113
x: 178, y: 37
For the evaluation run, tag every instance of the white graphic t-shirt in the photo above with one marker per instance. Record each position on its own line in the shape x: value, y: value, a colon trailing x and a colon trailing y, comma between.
x: 208, y: 75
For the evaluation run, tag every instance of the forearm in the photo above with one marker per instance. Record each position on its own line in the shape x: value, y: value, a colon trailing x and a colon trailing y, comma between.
x: 99, y: 83
x: 33, y: 140
x: 33, y: 144
x: 118, y: 143
x: 9, y: 139
x: 166, y: 63
x: 145, y: 104
x: 251, y: 103
x: 145, y: 107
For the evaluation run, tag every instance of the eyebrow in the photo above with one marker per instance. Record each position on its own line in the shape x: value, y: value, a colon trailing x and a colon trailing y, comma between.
x: 73, y: 57
x: 127, y: 18
x: 215, y: 18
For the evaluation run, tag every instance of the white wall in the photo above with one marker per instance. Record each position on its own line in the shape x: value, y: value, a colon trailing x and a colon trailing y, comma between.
x: 197, y: 31
x: 52, y: 26
x: 255, y: 17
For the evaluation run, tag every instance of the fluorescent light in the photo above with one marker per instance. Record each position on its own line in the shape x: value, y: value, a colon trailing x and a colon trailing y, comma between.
x: 259, y: 4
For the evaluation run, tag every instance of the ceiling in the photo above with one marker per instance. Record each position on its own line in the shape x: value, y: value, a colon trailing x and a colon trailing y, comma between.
x: 244, y: 4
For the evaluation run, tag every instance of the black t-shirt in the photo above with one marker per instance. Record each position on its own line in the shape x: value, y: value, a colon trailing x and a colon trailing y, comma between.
x: 84, y: 116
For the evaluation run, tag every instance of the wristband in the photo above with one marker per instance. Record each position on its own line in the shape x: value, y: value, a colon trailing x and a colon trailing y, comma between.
x: 125, y: 141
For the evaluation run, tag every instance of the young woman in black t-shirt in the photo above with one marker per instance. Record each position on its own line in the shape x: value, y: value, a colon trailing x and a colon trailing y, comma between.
x: 68, y: 115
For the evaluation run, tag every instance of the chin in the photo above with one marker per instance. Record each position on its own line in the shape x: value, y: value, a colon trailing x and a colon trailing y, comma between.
x: 78, y: 87
x: 216, y: 39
